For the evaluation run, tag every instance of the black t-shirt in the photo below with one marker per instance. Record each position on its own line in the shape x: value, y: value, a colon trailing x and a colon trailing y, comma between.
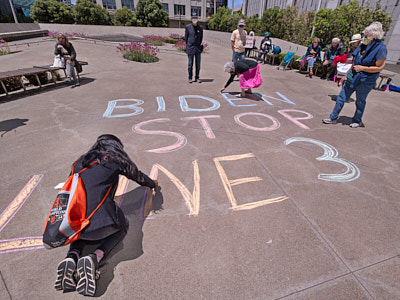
x: 241, y: 66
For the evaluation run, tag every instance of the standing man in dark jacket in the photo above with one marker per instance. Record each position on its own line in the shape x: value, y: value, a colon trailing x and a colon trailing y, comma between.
x: 193, y: 39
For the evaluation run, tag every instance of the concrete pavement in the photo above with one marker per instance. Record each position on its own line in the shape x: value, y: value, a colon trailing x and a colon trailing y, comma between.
x: 258, y: 199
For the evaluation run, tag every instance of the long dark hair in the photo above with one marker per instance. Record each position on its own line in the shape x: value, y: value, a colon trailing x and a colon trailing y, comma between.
x: 107, y: 145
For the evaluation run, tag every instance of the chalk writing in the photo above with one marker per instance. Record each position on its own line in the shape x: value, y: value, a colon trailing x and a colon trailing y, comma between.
x: 24, y: 243
x: 192, y: 200
x: 284, y: 112
x: 113, y: 104
x: 330, y: 154
x: 204, y: 123
x: 181, y: 139
x: 229, y: 183
x: 135, y: 109
x: 185, y: 106
x: 275, y: 123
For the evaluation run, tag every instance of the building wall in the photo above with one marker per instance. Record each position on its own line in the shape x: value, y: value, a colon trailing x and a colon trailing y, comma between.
x: 392, y: 37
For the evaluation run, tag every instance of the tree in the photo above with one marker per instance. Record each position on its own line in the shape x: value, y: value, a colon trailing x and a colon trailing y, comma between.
x: 150, y: 13
x: 254, y: 24
x: 51, y: 12
x: 215, y: 21
x: 272, y: 21
x: 346, y: 20
x: 125, y: 17
x: 89, y: 13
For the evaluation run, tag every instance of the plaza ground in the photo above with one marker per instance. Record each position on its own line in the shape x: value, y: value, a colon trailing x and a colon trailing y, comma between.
x: 249, y: 205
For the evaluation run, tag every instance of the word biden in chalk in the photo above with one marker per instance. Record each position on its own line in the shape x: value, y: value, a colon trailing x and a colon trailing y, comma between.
x: 133, y: 107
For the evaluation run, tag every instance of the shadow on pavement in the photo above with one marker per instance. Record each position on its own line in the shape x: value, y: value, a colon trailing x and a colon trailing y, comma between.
x: 131, y: 247
x: 11, y: 124
x: 333, y: 98
x: 39, y: 90
x: 345, y: 120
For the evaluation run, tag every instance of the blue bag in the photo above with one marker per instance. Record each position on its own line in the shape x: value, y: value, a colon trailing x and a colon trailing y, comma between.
x: 276, y: 50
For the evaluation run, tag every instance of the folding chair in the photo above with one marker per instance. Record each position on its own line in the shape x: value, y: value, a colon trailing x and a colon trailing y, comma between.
x: 286, y: 63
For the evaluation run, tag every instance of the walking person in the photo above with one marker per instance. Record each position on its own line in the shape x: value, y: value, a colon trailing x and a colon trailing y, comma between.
x: 65, y: 49
x: 108, y: 224
x: 193, y: 39
x: 369, y: 59
x: 238, y: 41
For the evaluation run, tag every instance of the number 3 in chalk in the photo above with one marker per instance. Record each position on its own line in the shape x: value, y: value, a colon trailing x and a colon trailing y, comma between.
x: 330, y: 154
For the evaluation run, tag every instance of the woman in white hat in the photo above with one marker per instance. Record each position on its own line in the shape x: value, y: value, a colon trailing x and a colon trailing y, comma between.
x: 369, y: 59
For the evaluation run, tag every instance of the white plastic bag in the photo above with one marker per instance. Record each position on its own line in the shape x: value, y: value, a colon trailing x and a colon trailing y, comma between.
x: 59, y: 62
x: 343, y: 69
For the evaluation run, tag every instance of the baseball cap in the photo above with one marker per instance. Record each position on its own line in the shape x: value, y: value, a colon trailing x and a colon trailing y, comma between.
x: 241, y: 22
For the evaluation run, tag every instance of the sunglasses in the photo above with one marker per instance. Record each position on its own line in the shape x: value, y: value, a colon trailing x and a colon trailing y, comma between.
x: 241, y: 25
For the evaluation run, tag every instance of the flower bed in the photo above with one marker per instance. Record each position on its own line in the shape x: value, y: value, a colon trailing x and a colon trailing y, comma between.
x: 173, y: 38
x: 154, y: 40
x: 181, y: 46
x: 4, y: 49
x: 139, y: 52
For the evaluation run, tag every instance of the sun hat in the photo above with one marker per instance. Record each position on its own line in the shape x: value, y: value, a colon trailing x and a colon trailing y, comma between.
x: 355, y: 38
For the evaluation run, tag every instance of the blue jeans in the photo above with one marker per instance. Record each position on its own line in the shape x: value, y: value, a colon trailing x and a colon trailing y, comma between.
x: 362, y: 90
x: 237, y: 56
x: 196, y: 56
x: 310, y: 62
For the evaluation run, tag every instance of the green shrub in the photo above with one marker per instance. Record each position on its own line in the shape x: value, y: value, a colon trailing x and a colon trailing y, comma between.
x: 11, y: 84
x: 44, y: 79
x: 171, y: 41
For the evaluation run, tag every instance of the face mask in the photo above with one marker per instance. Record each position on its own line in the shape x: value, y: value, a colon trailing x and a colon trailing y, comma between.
x: 240, y: 28
x: 367, y: 40
x: 194, y: 21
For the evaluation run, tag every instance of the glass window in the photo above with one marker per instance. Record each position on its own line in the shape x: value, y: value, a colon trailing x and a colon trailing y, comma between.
x: 179, y: 9
x: 128, y: 4
x: 197, y: 10
x: 109, y: 4
x: 165, y: 7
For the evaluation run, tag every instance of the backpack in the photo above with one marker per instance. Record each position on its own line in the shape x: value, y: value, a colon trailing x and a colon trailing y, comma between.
x: 67, y: 216
x: 276, y: 50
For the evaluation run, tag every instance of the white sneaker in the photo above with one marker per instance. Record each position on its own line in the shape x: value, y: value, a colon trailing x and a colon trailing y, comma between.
x: 355, y: 125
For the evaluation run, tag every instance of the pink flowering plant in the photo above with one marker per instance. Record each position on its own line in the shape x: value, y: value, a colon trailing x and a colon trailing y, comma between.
x: 173, y: 38
x: 4, y: 49
x: 154, y: 40
x: 136, y: 51
x: 181, y: 46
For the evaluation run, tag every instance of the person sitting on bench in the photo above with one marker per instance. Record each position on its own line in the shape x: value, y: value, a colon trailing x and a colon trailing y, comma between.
x: 65, y: 49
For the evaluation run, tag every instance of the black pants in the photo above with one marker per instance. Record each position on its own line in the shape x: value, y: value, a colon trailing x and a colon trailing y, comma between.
x: 109, y: 242
x: 328, y: 70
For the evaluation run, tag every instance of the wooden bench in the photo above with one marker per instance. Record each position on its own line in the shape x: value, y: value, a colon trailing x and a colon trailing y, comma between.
x: 35, y: 70
x: 82, y: 63
x: 25, y: 72
x: 270, y: 58
x: 383, y: 76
